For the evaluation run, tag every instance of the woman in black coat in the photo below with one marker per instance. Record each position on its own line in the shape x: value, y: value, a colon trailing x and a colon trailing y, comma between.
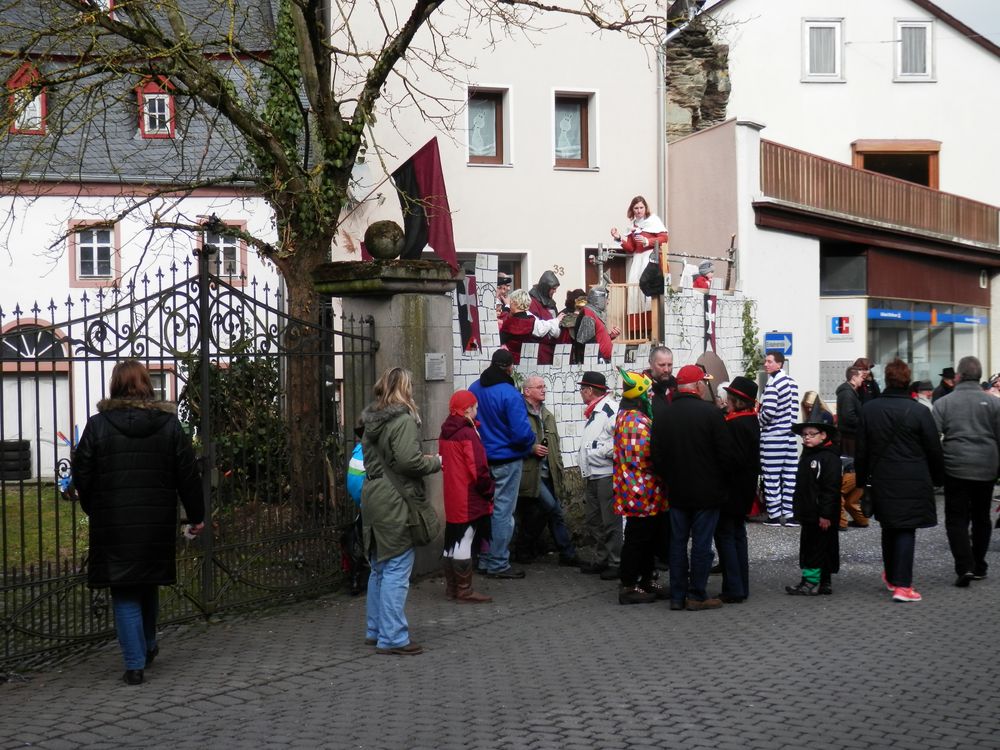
x: 899, y: 456
x: 132, y: 464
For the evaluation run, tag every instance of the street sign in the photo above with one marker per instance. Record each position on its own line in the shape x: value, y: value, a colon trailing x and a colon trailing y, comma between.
x: 778, y: 341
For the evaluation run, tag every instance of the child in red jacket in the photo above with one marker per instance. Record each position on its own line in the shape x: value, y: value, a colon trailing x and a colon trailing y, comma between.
x: 468, y: 496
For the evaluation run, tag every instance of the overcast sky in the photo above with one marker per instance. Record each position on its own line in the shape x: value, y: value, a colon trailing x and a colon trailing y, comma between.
x: 981, y: 15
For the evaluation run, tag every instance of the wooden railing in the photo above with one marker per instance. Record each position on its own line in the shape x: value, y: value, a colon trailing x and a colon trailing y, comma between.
x: 795, y: 176
x: 631, y: 312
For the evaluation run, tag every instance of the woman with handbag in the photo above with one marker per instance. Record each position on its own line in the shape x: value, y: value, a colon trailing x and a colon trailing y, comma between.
x: 899, y: 461
x: 395, y: 513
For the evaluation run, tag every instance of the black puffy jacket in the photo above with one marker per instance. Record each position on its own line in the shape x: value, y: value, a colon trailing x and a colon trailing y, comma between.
x: 132, y: 464
x: 899, y: 454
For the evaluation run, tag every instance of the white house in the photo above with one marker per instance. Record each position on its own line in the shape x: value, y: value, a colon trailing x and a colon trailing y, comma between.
x: 856, y: 171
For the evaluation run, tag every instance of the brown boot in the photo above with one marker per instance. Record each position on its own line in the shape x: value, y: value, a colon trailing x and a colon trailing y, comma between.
x: 450, y: 584
x: 463, y: 581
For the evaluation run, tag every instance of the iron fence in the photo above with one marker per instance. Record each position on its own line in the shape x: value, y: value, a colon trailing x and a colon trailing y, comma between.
x: 229, y: 354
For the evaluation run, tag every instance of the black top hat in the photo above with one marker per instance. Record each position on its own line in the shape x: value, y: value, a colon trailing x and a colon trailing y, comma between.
x: 948, y: 372
x: 828, y: 427
x: 594, y: 380
x: 743, y: 387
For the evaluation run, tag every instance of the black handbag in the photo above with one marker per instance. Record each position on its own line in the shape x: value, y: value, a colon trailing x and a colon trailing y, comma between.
x: 651, y: 282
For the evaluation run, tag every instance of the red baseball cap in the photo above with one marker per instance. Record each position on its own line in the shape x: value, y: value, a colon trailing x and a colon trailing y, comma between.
x: 689, y: 374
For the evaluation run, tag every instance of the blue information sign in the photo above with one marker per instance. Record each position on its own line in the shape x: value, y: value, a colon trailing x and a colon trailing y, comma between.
x: 778, y: 341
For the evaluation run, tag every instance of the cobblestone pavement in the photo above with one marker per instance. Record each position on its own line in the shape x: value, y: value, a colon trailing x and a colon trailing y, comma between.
x: 555, y: 662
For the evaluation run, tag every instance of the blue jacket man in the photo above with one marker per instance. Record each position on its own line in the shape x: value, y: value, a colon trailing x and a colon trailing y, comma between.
x: 508, y: 438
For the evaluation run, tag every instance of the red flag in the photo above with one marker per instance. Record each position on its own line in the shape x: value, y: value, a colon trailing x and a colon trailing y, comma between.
x: 468, y: 315
x: 426, y: 214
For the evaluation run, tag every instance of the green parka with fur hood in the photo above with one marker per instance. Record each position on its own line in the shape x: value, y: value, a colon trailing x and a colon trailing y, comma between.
x: 391, y: 437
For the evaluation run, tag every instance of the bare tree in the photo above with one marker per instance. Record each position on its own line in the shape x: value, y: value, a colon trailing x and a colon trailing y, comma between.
x: 274, y: 99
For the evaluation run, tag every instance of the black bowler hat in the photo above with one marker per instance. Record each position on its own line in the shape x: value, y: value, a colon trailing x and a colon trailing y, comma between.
x: 948, y: 372
x: 743, y: 387
x: 594, y: 380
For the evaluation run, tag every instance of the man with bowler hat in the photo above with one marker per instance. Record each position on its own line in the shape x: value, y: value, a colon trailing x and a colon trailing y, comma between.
x: 947, y: 384
x: 597, y: 451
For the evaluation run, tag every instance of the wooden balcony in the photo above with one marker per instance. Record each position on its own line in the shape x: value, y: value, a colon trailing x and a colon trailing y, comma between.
x: 804, y: 179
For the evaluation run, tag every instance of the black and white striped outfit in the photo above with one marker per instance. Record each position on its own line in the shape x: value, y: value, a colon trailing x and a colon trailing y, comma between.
x: 778, y: 455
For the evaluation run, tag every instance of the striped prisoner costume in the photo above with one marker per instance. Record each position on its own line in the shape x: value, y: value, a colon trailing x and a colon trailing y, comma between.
x: 778, y: 456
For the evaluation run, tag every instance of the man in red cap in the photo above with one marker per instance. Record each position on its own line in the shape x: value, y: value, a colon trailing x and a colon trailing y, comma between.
x: 690, y: 446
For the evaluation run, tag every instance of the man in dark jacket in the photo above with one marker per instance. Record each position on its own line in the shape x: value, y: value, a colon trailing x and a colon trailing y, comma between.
x: 508, y: 438
x: 542, y: 487
x: 849, y: 410
x: 947, y: 384
x: 690, y: 446
x: 969, y: 422
x: 661, y: 372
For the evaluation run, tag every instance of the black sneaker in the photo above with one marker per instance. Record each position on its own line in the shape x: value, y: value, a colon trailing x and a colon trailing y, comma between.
x: 507, y: 574
x: 964, y: 579
x: 652, y: 587
x: 825, y: 589
x: 676, y: 606
x: 803, y: 588
x: 979, y: 576
x: 773, y: 521
x: 610, y: 574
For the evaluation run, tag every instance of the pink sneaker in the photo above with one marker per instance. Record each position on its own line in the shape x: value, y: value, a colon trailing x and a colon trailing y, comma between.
x: 888, y: 586
x: 905, y: 595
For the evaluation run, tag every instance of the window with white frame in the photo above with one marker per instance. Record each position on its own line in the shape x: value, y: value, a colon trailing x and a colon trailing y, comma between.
x: 156, y: 114
x: 822, y: 50
x: 914, y: 61
x: 573, y: 140
x: 228, y: 256
x: 94, y: 251
x: 27, y: 102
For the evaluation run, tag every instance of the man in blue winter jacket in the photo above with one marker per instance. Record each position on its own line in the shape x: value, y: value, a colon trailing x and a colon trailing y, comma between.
x: 508, y: 438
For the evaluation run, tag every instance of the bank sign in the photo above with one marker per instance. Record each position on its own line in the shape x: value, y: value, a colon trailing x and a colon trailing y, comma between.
x: 839, y: 328
x: 926, y: 316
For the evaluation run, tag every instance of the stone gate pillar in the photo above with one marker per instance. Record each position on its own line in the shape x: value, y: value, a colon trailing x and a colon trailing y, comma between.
x: 411, y: 304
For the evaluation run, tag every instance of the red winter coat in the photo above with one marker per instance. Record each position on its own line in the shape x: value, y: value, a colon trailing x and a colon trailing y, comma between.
x: 517, y: 329
x: 468, y: 484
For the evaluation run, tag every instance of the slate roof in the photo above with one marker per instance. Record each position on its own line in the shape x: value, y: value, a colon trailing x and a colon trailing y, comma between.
x: 96, y: 137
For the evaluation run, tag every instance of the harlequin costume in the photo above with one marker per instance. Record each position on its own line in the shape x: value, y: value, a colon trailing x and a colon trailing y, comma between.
x: 638, y: 491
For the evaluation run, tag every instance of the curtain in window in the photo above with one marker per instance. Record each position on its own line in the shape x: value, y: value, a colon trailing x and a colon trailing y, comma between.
x: 914, y: 41
x: 482, y: 127
x: 568, y: 141
x: 822, y: 50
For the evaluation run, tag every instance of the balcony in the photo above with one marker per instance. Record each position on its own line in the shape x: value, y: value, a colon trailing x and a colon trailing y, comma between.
x: 829, y: 187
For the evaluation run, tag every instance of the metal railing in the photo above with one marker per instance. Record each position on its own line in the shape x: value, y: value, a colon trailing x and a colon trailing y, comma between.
x: 205, y: 342
x: 805, y: 179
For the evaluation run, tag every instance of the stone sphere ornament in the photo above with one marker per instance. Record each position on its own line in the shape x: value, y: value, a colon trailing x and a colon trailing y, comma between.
x: 384, y: 240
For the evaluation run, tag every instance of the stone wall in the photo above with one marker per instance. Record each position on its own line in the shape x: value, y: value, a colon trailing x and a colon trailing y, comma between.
x: 685, y: 320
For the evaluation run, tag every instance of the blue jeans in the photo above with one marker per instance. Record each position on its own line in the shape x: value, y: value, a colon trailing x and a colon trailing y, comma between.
x: 135, y: 609
x: 557, y: 524
x: 388, y: 586
x: 689, y: 582
x: 731, y: 542
x: 507, y: 478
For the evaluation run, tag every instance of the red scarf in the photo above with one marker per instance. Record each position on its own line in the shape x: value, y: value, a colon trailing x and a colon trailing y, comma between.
x: 752, y: 412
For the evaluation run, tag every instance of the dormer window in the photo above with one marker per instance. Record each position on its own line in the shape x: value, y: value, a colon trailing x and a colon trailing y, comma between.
x: 27, y: 102
x: 156, y: 109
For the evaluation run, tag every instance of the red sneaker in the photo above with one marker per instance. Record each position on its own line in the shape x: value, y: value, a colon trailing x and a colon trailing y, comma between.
x: 905, y: 595
x: 888, y: 586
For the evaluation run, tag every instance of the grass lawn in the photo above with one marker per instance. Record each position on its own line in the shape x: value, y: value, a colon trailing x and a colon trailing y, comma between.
x: 39, y: 526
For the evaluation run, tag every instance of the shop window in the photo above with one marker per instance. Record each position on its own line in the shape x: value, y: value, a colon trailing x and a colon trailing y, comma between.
x: 94, y: 255
x: 822, y: 50
x: 27, y: 101
x: 914, y: 51
x: 156, y: 109
x: 911, y: 160
x: 573, y: 119
x: 488, y: 126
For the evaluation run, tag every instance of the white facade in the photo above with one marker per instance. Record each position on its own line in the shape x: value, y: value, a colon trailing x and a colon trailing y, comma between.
x: 867, y: 95
x: 955, y: 104
x: 526, y: 208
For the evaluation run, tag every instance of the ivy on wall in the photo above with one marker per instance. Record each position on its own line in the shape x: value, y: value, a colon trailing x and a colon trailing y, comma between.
x: 753, y: 357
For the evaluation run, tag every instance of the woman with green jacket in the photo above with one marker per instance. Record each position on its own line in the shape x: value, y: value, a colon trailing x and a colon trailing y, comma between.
x: 393, y: 465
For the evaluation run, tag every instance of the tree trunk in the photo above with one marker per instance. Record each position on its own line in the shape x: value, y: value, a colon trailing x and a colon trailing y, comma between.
x: 304, y: 378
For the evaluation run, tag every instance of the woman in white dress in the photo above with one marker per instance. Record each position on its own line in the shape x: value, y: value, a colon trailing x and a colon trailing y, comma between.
x: 646, y: 233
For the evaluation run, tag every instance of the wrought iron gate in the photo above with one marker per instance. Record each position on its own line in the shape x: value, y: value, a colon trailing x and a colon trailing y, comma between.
x: 206, y: 341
